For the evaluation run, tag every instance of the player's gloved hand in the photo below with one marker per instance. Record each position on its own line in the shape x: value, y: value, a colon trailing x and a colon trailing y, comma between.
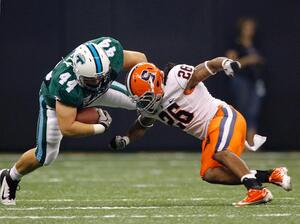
x: 104, y: 118
x: 119, y: 142
x: 230, y: 67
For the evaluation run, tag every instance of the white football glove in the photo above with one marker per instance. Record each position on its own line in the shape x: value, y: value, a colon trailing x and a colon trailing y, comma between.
x: 104, y: 118
x: 119, y: 142
x: 231, y: 67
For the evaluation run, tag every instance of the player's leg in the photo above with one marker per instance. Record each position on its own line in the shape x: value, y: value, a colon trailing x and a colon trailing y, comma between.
x: 214, y: 153
x: 48, y: 142
x: 10, y: 178
x: 221, y: 175
x: 214, y: 171
x: 236, y: 167
x: 225, y: 144
x: 232, y: 162
x: 26, y: 164
x: 278, y: 176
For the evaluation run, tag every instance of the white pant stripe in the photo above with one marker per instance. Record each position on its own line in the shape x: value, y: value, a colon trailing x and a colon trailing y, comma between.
x: 226, y: 131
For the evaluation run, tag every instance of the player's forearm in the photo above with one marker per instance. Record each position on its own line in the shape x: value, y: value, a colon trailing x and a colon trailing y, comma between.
x: 205, y: 70
x: 78, y: 129
x: 136, y: 132
x: 215, y: 65
x: 208, y: 68
x: 131, y: 58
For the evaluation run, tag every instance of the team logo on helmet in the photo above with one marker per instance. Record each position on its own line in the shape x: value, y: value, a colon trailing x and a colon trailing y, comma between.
x: 91, y: 67
x: 80, y: 58
x: 145, y: 86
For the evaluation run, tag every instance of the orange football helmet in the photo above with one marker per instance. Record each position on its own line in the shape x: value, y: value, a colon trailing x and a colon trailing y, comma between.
x: 145, y: 86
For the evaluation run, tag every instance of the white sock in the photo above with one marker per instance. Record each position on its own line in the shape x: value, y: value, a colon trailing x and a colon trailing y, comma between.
x: 14, y: 174
x: 249, y: 176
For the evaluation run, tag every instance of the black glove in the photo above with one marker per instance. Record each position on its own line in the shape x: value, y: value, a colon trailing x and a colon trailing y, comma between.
x: 230, y: 67
x: 119, y: 142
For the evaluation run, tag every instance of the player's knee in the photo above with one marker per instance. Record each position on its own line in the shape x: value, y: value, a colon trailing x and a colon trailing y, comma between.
x: 209, y: 176
x: 50, y: 158
x: 222, y: 156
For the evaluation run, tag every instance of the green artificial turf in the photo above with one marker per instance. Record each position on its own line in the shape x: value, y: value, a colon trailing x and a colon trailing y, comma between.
x: 144, y: 188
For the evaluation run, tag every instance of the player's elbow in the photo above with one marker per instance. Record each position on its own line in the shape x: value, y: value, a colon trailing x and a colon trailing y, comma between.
x: 139, y: 57
x: 67, y: 131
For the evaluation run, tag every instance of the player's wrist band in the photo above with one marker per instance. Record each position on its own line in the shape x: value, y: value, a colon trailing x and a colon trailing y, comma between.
x: 98, y: 128
x: 208, y: 69
x: 126, y: 139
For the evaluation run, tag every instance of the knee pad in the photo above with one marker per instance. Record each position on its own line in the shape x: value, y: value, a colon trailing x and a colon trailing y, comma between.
x: 48, y: 154
x: 50, y: 158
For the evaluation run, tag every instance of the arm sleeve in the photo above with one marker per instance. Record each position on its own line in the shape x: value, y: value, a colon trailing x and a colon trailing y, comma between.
x: 116, y: 97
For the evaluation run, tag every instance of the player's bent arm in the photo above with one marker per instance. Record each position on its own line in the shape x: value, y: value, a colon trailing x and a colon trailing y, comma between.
x: 211, y: 67
x: 131, y: 58
x: 205, y: 70
x: 66, y: 116
x: 137, y: 131
x: 139, y: 128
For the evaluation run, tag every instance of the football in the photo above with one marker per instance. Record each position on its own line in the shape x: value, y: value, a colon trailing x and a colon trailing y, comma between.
x: 88, y: 115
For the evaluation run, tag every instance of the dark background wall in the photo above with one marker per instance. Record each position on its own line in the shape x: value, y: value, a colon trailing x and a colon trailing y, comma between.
x: 35, y: 34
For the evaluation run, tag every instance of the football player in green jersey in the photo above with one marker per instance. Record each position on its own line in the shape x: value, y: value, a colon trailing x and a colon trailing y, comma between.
x: 82, y: 79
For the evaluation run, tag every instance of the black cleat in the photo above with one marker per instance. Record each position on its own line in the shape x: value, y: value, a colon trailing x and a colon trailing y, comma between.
x: 8, y: 188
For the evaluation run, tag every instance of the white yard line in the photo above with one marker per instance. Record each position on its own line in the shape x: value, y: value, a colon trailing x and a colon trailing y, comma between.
x: 146, y: 216
x: 128, y: 208
x: 274, y: 215
x: 135, y: 199
x: 85, y: 208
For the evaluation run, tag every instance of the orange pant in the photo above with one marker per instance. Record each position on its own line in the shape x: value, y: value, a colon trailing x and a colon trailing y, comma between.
x: 226, y: 131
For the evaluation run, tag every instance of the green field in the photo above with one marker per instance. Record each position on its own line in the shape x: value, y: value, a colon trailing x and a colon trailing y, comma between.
x: 144, y: 188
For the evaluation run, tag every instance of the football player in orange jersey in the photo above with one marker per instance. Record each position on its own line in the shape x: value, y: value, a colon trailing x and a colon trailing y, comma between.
x: 178, y: 97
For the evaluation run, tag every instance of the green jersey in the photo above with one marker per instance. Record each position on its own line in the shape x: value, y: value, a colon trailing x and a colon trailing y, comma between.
x: 61, y: 83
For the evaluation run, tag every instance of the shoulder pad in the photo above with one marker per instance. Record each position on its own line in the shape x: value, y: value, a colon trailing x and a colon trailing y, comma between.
x: 114, y: 51
x: 182, y: 74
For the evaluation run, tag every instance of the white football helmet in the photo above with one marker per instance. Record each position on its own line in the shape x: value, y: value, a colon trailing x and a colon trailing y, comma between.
x: 91, y: 66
